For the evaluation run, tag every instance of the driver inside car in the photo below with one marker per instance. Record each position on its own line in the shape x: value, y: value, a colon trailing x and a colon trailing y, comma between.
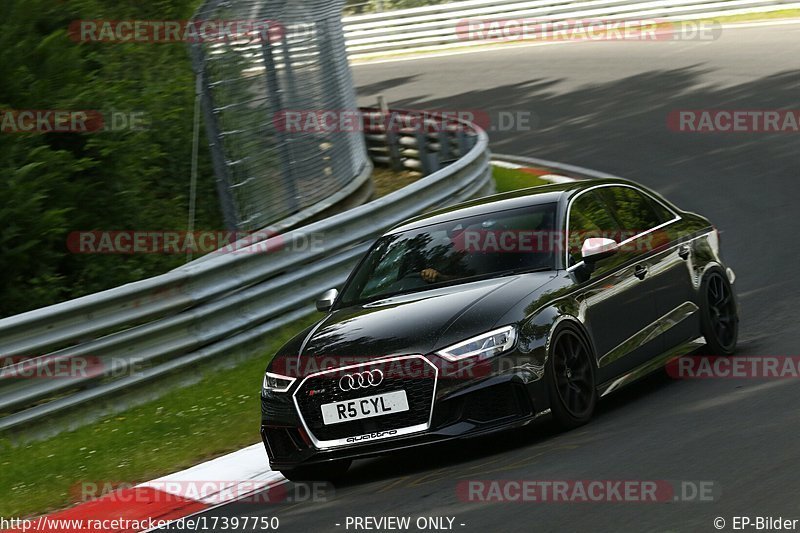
x: 480, y: 253
x: 451, y: 265
x: 431, y: 275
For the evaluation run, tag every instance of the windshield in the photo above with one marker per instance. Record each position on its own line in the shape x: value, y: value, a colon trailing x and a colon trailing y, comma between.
x: 456, y: 251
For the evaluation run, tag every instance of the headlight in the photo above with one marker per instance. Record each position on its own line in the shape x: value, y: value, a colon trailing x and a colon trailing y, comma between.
x: 483, y: 346
x: 276, y: 383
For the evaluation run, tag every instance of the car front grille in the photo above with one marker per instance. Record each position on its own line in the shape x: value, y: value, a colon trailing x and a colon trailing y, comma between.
x: 414, y: 374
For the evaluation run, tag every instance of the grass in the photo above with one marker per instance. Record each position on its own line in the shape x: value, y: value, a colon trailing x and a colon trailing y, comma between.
x: 754, y: 17
x: 508, y: 179
x: 387, y: 180
x: 188, y: 425
x: 217, y: 415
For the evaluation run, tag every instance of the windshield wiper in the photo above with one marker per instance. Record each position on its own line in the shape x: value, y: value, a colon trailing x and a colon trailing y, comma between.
x: 522, y: 270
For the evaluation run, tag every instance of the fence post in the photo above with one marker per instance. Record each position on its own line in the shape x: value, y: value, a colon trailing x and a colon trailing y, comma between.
x: 275, y: 105
x: 229, y: 212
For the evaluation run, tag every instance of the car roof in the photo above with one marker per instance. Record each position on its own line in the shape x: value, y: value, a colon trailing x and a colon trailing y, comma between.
x: 542, y: 194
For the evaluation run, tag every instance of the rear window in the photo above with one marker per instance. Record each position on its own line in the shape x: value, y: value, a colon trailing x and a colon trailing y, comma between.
x: 589, y: 217
x: 635, y: 212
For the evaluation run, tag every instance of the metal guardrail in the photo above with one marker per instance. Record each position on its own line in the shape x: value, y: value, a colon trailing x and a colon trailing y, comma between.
x: 442, y: 26
x: 211, y: 306
x: 424, y: 146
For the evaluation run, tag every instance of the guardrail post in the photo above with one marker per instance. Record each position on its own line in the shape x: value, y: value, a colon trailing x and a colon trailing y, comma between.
x: 444, y: 144
x: 463, y: 146
x: 392, y: 137
x: 427, y: 159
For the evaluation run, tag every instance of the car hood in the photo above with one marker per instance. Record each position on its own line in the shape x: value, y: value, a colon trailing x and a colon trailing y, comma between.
x: 419, y: 322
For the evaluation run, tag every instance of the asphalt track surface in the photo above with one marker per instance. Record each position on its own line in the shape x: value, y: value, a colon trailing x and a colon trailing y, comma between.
x: 604, y: 106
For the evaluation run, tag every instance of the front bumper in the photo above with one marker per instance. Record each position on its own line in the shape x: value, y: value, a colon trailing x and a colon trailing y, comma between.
x: 461, y: 409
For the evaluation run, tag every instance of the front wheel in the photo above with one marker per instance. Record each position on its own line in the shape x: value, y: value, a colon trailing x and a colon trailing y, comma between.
x: 719, y: 316
x: 570, y: 372
x: 330, y: 471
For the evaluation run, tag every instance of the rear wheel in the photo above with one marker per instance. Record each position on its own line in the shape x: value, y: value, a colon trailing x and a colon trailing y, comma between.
x: 330, y: 471
x: 719, y: 319
x: 570, y: 371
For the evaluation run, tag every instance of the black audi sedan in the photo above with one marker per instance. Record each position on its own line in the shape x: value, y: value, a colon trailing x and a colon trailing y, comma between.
x: 490, y: 314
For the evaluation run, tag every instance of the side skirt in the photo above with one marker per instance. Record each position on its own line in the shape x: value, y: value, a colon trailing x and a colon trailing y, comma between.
x: 650, y: 366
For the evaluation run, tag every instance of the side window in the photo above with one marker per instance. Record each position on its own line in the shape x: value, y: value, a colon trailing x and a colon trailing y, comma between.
x: 634, y: 211
x: 663, y: 213
x: 589, y: 216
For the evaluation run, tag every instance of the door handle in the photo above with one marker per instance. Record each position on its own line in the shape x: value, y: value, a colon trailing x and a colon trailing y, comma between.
x: 640, y: 271
x: 684, y: 251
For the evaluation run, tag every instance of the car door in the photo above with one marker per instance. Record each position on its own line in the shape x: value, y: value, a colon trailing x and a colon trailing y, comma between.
x: 614, y: 298
x: 662, y: 271
x: 669, y: 259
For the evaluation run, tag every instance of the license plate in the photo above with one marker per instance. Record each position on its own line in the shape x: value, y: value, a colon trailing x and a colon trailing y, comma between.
x: 367, y: 407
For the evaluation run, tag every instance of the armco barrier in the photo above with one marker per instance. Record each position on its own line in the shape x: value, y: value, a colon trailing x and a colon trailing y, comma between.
x: 211, y: 306
x: 440, y: 27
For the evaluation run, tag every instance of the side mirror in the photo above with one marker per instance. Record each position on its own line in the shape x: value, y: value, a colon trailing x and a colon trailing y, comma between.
x: 325, y: 301
x: 597, y: 248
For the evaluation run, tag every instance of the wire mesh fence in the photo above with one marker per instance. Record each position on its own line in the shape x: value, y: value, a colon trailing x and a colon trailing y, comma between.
x: 281, y: 55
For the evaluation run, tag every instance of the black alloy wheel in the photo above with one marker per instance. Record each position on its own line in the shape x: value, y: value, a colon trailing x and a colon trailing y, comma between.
x: 720, y: 319
x: 573, y: 394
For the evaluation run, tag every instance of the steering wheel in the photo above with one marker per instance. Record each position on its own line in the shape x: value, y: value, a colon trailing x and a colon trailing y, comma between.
x: 411, y: 280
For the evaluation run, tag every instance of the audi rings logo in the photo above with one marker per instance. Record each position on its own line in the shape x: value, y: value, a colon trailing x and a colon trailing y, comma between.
x: 361, y: 380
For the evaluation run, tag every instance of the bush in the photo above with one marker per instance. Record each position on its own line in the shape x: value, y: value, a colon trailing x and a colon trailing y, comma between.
x: 56, y: 183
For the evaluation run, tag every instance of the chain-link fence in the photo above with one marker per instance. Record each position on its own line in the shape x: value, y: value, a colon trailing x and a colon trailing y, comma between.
x: 291, y: 58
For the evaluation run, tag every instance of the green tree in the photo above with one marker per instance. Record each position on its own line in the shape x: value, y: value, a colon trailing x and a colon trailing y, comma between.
x: 56, y: 183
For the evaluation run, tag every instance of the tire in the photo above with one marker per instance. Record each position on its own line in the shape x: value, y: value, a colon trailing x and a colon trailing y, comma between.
x: 719, y: 318
x: 571, y: 378
x: 330, y: 471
